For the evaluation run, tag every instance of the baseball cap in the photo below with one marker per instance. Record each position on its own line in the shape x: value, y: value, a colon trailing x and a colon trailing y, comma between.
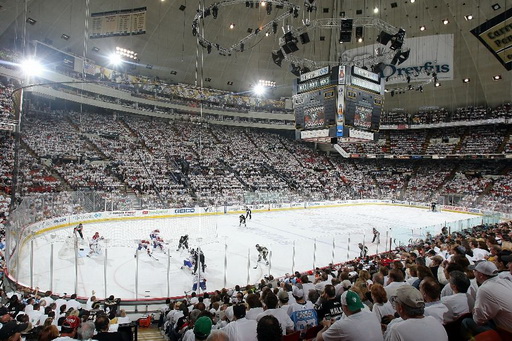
x: 298, y: 292
x: 203, y: 327
x: 409, y: 296
x: 485, y: 267
x: 351, y: 300
x: 283, y: 296
x: 10, y: 328
x: 71, y: 322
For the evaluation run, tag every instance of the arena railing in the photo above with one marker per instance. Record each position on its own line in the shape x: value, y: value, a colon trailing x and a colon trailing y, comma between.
x: 56, y: 210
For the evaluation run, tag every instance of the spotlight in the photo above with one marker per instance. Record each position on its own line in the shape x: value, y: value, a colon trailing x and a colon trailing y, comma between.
x: 445, y: 22
x: 215, y: 12
x: 437, y: 84
x: 468, y: 17
x: 115, y: 59
x: 496, y: 78
x: 376, y: 10
x: 422, y: 28
x: 259, y: 90
x: 31, y: 21
x: 466, y: 80
x: 496, y: 6
x: 231, y: 26
x: 182, y: 7
x: 230, y: 83
x: 64, y: 36
x: 31, y: 67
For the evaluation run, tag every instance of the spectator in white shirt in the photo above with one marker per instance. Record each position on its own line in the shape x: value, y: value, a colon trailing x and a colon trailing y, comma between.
x: 460, y: 302
x: 430, y: 290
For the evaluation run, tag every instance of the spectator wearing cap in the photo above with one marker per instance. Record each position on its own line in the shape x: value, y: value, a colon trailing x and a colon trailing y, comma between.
x: 431, y: 291
x: 357, y: 325
x: 102, y: 325
x: 460, y: 302
x: 241, y: 329
x: 202, y: 328
x: 11, y: 331
x: 284, y: 298
x: 271, y: 309
x: 493, y: 305
x: 302, y: 312
x: 410, y: 305
x: 269, y: 329
x: 68, y: 328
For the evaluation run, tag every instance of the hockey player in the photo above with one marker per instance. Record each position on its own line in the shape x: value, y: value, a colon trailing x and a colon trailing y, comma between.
x: 376, y: 235
x: 94, y: 244
x: 79, y: 229
x: 154, y: 235
x: 143, y: 245
x: 263, y: 253
x: 198, y: 257
x: 188, y: 262
x: 364, y: 250
x: 248, y: 213
x: 183, y: 243
x: 159, y: 243
x: 201, y: 281
x: 242, y: 220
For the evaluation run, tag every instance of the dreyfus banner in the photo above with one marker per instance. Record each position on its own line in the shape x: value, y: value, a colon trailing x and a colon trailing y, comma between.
x: 428, y: 54
x: 496, y: 35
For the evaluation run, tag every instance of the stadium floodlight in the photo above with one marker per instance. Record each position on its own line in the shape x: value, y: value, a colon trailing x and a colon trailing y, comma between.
x: 115, y: 59
x: 258, y: 90
x: 31, y: 67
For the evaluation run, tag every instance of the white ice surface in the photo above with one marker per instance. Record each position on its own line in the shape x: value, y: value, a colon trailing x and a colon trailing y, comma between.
x: 319, y: 237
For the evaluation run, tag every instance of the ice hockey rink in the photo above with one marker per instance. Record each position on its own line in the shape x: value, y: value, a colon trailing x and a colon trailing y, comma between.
x: 297, y: 239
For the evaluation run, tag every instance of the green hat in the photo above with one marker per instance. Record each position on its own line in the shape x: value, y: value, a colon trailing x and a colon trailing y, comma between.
x: 351, y: 300
x: 203, y: 327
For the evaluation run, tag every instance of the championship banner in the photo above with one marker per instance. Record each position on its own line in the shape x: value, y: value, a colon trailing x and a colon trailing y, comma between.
x: 496, y: 35
x: 428, y: 54
x: 118, y: 23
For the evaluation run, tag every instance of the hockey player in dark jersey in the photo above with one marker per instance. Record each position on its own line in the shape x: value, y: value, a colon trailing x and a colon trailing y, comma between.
x: 262, y: 253
x: 242, y: 220
x: 198, y: 257
x: 79, y: 229
x: 248, y: 213
x: 183, y: 243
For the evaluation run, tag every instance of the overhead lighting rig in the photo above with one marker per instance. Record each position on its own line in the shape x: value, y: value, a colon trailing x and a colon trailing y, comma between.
x: 289, y: 9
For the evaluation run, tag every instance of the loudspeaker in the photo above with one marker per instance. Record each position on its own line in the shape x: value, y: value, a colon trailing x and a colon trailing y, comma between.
x: 290, y: 47
x: 304, y: 38
x: 346, y: 25
x: 345, y: 37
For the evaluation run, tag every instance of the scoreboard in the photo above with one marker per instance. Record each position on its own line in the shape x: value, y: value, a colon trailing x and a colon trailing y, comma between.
x: 343, y: 103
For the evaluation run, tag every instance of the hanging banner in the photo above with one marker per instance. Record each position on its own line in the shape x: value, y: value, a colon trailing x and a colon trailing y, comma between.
x: 496, y: 35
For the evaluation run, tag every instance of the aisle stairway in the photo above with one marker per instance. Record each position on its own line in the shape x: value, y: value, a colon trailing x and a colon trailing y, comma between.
x: 150, y: 334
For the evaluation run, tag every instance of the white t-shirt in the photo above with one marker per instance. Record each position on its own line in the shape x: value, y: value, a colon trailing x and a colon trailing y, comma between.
x: 437, y: 310
x: 380, y: 310
x: 252, y: 314
x: 285, y: 320
x: 424, y: 329
x: 457, y: 305
x: 360, y: 326
x: 241, y: 330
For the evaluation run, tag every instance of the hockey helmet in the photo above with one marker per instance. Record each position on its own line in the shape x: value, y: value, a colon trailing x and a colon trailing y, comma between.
x: 158, y: 231
x: 257, y: 245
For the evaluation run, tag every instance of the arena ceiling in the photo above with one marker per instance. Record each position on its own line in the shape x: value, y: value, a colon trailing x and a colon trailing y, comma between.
x: 172, y: 52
